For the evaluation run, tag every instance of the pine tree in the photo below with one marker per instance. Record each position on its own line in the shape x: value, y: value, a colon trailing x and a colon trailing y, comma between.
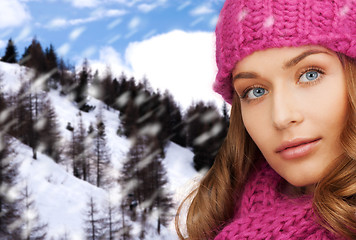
x: 123, y: 95
x: 172, y: 120
x: 146, y: 176
x: 5, y: 122
x: 206, y: 130
x: 131, y: 171
x: 108, y: 90
x: 82, y: 158
x: 34, y: 58
x: 96, y: 88
x: 49, y: 133
x: 78, y: 151
x: 81, y: 90
x: 129, y: 119
x: 115, y: 92
x: 101, y: 88
x: 102, y: 158
x: 126, y: 228
x: 10, y: 213
x: 226, y: 116
x: 66, y: 79
x: 10, y: 205
x: 33, y: 228
x: 25, y: 56
x: 26, y: 113
x: 131, y: 107
x: 93, y: 221
x: 111, y: 221
x: 18, y: 114
x: 51, y: 58
x: 159, y: 196
x: 72, y: 152
x: 52, y: 66
x: 10, y: 53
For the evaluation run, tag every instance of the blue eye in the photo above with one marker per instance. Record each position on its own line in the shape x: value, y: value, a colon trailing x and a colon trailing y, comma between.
x: 309, y: 76
x: 256, y: 92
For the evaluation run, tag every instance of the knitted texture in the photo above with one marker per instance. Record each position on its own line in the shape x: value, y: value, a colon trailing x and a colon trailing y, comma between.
x: 264, y: 213
x: 245, y: 26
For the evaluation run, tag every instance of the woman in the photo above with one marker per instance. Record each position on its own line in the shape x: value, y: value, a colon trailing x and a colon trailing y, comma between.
x: 287, y: 168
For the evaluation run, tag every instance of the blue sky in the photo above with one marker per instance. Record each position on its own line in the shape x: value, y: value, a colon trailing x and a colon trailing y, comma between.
x: 120, y: 34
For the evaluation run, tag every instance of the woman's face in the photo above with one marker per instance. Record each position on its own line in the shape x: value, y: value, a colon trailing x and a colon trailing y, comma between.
x: 294, y: 106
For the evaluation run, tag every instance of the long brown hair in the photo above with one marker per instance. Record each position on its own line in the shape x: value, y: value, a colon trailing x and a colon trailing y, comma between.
x: 214, y: 200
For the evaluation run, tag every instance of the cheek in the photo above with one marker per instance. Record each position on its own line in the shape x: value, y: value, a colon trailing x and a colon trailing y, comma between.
x: 330, y: 108
x: 257, y: 124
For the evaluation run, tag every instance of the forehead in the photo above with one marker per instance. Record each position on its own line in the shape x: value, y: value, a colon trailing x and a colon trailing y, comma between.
x: 278, y: 55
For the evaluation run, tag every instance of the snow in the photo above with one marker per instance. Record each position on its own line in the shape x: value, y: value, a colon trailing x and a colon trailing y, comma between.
x: 12, y: 75
x: 60, y: 197
x: 179, y: 167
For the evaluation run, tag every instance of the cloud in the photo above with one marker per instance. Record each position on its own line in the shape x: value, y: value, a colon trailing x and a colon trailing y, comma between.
x: 196, y: 21
x: 64, y: 49
x: 183, y: 63
x: 13, y: 13
x: 146, y: 7
x: 114, y: 39
x: 150, y: 34
x: 95, y: 16
x: 24, y: 34
x: 88, y: 52
x: 109, y: 57
x: 6, y: 33
x: 114, y: 23
x: 202, y: 10
x: 134, y: 23
x: 183, y: 5
x: 57, y: 22
x: 133, y: 26
x: 96, y: 3
x: 76, y: 33
x: 104, y: 13
x: 125, y: 2
x: 83, y: 3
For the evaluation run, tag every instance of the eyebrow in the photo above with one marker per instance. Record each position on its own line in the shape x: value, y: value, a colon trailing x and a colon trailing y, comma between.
x: 300, y: 57
x: 294, y: 61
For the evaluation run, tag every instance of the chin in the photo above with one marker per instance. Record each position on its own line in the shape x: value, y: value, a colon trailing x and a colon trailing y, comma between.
x: 302, y: 184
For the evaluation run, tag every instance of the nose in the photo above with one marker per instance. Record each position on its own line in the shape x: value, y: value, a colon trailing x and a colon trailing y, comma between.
x: 286, y: 110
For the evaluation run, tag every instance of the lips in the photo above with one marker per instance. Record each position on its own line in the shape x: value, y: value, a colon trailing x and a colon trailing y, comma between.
x: 297, y: 148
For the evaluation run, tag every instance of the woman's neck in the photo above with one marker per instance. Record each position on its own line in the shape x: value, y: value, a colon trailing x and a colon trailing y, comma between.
x: 293, y: 191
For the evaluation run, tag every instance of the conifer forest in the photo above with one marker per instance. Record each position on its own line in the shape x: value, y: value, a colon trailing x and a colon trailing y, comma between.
x: 138, y: 203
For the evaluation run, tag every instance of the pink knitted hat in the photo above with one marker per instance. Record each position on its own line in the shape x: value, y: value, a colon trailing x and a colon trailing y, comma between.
x: 246, y: 26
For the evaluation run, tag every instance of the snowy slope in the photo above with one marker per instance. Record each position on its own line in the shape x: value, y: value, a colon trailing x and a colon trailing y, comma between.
x: 60, y: 197
x: 12, y: 75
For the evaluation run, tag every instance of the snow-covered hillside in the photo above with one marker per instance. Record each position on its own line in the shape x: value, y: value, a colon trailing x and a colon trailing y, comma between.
x: 60, y: 197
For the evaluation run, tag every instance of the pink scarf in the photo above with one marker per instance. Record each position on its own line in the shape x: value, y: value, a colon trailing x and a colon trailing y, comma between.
x: 264, y: 213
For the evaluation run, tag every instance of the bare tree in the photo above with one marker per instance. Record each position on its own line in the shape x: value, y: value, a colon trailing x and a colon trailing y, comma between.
x: 111, y: 221
x: 33, y: 228
x: 93, y: 221
x: 79, y: 151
